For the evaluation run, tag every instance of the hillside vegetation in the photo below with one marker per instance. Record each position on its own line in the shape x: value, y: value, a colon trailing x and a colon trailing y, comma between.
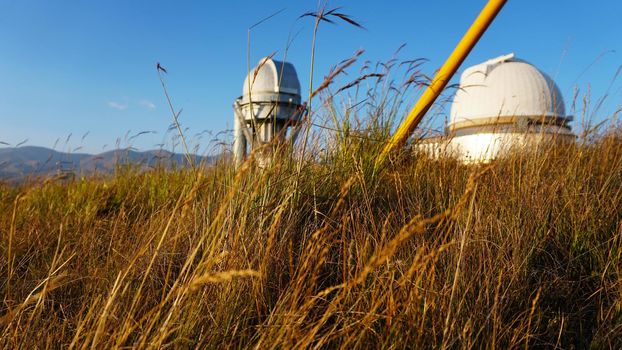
x: 322, y: 249
x: 322, y: 252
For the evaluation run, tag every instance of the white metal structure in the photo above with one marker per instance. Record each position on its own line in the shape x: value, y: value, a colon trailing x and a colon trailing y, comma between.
x: 270, y: 104
x: 501, y: 104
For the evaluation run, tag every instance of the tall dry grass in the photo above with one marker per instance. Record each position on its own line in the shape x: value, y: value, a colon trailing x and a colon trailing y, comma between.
x: 524, y: 252
x: 321, y: 250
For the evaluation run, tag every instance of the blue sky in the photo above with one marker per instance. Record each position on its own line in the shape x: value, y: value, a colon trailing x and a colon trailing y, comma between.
x: 72, y: 67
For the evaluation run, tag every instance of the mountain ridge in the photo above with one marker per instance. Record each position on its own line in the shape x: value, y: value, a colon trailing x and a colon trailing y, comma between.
x: 17, y: 163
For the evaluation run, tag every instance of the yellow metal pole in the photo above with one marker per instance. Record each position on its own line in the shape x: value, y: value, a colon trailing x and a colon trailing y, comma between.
x: 443, y: 76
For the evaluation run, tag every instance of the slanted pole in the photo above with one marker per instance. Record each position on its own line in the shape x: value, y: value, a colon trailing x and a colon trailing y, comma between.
x: 443, y: 76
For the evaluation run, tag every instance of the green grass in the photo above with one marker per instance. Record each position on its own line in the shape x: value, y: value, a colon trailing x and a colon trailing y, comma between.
x: 525, y: 252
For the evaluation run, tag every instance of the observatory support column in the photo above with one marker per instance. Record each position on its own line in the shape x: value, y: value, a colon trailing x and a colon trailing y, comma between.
x: 239, y: 141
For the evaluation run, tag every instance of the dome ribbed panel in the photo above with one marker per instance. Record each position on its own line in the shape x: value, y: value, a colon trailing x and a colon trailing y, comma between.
x: 272, y: 77
x: 510, y: 88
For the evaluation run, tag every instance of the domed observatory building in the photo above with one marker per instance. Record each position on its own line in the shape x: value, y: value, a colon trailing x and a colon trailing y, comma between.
x: 269, y: 105
x: 502, y: 104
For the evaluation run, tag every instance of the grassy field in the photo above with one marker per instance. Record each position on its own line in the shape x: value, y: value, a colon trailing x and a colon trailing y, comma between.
x: 322, y: 251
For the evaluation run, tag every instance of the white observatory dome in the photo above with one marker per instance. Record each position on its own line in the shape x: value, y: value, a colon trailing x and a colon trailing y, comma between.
x: 271, y: 80
x: 506, y: 90
x: 501, y: 105
x: 270, y: 105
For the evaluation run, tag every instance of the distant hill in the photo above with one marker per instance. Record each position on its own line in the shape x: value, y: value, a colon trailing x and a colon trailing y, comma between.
x: 32, y: 161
